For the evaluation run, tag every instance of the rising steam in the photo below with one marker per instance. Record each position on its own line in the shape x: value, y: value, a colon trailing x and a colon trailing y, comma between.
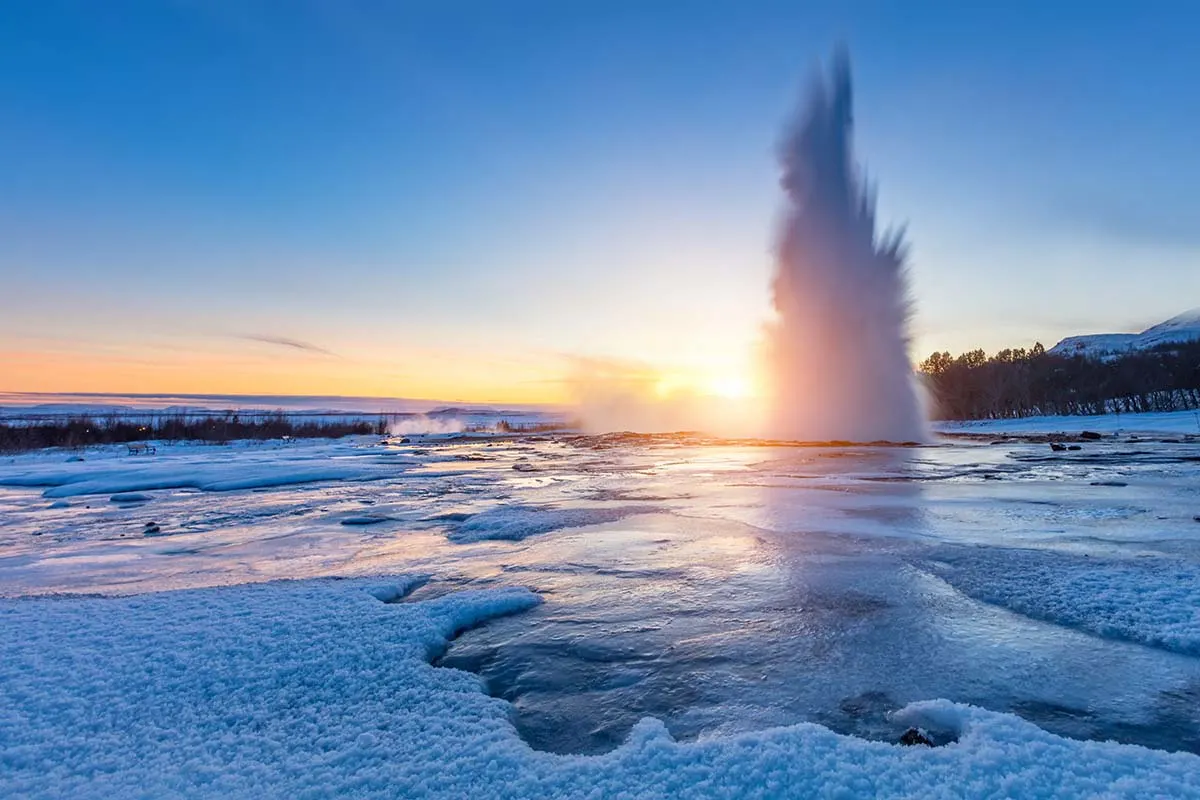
x: 839, y: 349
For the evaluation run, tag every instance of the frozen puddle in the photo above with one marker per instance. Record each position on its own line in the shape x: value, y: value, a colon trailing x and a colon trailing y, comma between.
x: 731, y: 630
x: 783, y: 613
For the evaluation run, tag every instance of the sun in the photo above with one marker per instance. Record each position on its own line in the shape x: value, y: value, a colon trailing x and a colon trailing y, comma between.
x: 733, y: 387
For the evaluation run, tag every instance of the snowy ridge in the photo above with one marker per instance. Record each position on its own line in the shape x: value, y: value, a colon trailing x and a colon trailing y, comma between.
x: 1182, y: 328
x: 306, y: 688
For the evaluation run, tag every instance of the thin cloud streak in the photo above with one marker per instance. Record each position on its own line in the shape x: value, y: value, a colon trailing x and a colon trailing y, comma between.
x: 283, y: 341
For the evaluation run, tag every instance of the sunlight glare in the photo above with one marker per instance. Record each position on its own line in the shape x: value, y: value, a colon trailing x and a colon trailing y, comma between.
x: 734, y: 387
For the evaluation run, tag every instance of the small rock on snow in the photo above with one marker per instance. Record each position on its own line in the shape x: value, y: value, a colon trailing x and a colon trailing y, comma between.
x: 914, y: 736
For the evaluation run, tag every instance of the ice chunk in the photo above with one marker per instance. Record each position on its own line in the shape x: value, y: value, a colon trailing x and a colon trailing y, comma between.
x: 515, y: 522
x: 129, y: 497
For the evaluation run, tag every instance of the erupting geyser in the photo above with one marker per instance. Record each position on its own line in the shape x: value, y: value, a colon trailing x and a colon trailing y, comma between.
x: 839, y: 348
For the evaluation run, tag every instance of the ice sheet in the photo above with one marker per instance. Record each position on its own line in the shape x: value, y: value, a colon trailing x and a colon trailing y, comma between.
x: 725, y: 588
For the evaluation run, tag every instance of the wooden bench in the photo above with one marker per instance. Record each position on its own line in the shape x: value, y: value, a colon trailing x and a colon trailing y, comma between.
x: 142, y: 449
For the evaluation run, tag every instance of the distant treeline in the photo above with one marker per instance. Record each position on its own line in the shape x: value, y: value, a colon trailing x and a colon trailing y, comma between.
x: 16, y: 435
x: 1022, y: 383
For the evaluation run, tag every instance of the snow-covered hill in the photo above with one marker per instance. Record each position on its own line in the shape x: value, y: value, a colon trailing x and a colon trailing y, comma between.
x: 1182, y: 328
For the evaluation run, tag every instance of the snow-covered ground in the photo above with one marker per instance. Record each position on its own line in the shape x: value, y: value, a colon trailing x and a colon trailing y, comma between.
x: 319, y: 689
x: 1164, y: 422
x: 780, y: 614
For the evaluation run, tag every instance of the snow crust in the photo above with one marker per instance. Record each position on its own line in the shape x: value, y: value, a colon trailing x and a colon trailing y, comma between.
x: 207, y: 469
x: 1150, y: 601
x: 305, y: 689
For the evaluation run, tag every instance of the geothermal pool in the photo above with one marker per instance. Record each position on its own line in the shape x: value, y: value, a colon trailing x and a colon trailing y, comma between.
x: 720, y: 587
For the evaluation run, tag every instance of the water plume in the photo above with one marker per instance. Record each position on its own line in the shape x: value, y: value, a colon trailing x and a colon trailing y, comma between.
x: 838, y: 349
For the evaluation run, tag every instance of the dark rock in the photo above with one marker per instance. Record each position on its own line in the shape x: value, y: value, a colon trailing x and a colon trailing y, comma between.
x: 1074, y: 447
x: 1058, y: 448
x: 1090, y: 435
x: 1109, y: 483
x: 74, y: 458
x: 914, y: 736
x: 1197, y: 519
x: 151, y: 529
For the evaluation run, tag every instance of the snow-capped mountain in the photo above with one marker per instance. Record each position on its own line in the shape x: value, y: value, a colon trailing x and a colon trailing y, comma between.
x: 1182, y: 328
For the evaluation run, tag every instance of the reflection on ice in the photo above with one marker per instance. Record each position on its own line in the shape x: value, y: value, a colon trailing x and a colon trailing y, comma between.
x: 725, y: 628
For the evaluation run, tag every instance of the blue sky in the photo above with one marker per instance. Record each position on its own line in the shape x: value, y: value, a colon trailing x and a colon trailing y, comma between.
x: 467, y: 199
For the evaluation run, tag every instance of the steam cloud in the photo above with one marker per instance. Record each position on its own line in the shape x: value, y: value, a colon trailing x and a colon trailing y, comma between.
x: 423, y: 424
x: 839, y: 349
x: 617, y: 395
